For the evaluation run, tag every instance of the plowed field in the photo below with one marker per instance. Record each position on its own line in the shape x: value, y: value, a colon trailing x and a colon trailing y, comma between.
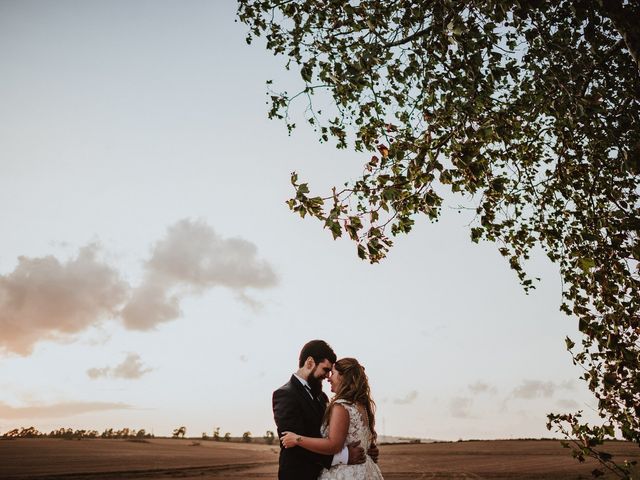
x: 165, y: 459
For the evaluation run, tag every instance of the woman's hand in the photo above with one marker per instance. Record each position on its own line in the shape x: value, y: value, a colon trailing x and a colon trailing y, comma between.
x: 290, y: 439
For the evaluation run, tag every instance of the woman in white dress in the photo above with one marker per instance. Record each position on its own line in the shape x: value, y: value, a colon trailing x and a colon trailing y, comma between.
x: 349, y: 418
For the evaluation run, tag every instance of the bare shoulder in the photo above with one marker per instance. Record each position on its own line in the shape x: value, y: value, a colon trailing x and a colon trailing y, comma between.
x: 338, y: 407
x: 339, y: 410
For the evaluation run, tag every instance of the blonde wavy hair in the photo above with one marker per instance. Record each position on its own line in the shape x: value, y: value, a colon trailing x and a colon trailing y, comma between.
x: 354, y: 389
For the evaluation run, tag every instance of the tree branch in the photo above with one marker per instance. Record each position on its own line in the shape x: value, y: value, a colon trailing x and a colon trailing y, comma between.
x: 408, y: 39
x: 626, y: 21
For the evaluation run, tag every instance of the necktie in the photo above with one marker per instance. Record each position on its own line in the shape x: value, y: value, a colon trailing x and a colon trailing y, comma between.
x: 308, y: 388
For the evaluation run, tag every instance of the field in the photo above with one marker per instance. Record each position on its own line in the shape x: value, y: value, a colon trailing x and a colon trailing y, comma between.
x: 156, y: 459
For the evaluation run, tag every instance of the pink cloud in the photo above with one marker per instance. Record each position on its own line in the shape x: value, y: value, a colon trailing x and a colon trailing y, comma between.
x: 130, y: 368
x: 63, y: 409
x: 44, y: 298
x: 48, y: 299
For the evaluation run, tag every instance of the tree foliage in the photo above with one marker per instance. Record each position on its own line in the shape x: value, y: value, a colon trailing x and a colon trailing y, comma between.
x: 28, y: 432
x: 530, y: 110
x: 77, y: 434
x: 269, y: 437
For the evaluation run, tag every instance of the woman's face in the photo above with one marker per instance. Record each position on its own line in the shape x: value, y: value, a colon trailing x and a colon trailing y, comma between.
x: 335, y: 380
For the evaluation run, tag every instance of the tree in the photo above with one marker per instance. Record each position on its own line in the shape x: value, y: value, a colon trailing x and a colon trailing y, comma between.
x: 529, y: 112
x: 269, y: 437
x: 227, y: 437
x: 179, y: 432
x: 12, y: 433
x: 30, y: 432
x: 216, y: 434
x: 246, y: 437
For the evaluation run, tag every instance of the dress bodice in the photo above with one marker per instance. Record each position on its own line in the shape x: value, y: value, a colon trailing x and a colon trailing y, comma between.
x: 358, y: 431
x: 358, y: 425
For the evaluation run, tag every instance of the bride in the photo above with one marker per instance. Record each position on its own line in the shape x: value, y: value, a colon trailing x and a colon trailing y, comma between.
x: 349, y: 418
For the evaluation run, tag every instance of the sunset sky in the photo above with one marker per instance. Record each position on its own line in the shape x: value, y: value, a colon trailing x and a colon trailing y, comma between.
x: 151, y: 275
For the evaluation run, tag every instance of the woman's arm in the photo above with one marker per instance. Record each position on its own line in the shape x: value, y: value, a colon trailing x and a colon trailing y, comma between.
x: 334, y: 443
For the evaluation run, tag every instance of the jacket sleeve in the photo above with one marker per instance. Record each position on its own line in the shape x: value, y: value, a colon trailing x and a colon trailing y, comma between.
x: 288, y: 417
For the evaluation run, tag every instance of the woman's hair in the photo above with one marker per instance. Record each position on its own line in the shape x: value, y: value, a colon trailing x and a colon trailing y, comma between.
x: 354, y: 389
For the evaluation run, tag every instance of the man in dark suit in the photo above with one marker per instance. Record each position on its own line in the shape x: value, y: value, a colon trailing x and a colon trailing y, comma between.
x: 299, y: 406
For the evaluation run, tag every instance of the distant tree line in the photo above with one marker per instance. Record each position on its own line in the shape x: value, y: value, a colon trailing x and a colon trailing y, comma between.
x: 216, y: 437
x: 129, y: 433
x: 70, y: 433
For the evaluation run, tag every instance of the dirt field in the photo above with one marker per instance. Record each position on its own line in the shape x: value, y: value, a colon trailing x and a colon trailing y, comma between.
x: 165, y: 459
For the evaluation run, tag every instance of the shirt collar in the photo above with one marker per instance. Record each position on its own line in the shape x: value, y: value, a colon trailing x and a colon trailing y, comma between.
x: 302, y: 380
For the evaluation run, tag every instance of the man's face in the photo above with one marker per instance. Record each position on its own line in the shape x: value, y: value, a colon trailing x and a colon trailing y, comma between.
x: 320, y: 371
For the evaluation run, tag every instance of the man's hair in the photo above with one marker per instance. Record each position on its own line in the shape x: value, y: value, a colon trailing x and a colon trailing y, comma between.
x: 319, y: 350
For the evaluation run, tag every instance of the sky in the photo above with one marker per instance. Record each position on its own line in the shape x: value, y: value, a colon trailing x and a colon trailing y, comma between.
x: 152, y: 276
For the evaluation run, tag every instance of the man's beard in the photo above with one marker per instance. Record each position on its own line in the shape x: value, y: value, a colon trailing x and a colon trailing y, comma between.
x: 315, y: 384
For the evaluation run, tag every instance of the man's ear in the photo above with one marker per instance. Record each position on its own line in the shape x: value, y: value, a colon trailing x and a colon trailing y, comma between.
x: 309, y: 362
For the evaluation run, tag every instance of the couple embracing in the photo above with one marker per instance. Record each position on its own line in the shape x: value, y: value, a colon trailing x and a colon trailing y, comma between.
x: 322, y: 439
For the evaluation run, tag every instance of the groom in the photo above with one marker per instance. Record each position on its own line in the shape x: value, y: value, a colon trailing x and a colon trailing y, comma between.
x: 299, y: 406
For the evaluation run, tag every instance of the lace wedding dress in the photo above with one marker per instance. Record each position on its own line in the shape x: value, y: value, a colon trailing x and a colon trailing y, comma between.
x: 358, y: 430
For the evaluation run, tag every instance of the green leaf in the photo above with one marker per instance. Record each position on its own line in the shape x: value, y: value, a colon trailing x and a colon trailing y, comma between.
x: 570, y: 344
x: 586, y: 264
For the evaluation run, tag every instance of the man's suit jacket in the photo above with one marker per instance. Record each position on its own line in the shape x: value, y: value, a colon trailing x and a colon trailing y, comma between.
x: 295, y: 411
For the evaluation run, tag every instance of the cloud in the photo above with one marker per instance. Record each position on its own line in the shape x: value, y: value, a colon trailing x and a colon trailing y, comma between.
x: 44, y: 298
x: 433, y: 331
x: 63, y: 409
x: 150, y: 305
x: 568, y: 403
x: 189, y: 260
x: 250, y: 302
x: 130, y: 368
x: 459, y: 407
x: 407, y: 399
x: 534, y: 389
x: 48, y: 299
x: 567, y: 385
x: 481, y: 387
x: 95, y: 372
x: 193, y: 253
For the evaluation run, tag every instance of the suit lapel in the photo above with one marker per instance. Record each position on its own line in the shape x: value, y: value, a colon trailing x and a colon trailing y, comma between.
x: 321, y: 403
x: 310, y: 402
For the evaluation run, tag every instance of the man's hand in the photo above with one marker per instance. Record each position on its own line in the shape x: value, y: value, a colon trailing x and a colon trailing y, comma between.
x: 373, y: 452
x: 356, y: 453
